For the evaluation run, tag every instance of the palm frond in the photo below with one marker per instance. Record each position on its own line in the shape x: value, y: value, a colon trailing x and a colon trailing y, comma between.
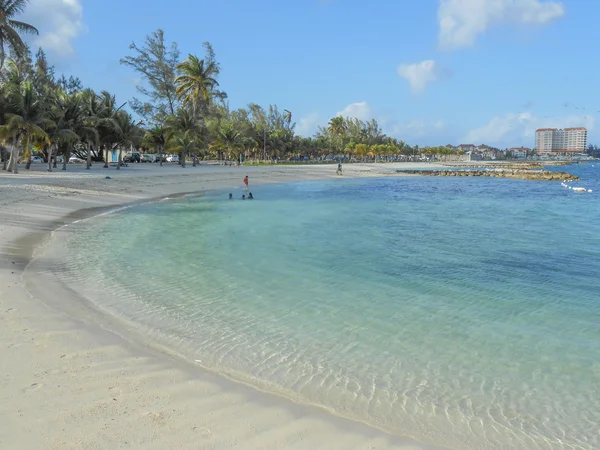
x: 23, y: 27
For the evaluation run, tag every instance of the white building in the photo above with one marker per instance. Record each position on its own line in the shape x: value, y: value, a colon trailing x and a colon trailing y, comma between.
x: 553, y: 140
x: 519, y: 152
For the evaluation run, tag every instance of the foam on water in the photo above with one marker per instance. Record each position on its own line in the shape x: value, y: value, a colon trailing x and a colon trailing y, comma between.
x: 462, y: 312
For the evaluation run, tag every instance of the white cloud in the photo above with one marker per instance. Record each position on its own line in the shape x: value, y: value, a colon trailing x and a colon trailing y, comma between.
x: 462, y: 21
x: 307, y: 125
x: 413, y: 129
x: 59, y: 23
x: 358, y: 110
x: 408, y: 131
x: 518, y: 129
x: 419, y: 75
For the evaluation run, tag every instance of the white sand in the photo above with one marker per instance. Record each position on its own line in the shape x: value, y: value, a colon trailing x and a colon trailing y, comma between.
x: 71, y: 379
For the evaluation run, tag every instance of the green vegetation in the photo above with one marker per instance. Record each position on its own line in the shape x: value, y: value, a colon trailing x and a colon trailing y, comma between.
x: 180, y: 109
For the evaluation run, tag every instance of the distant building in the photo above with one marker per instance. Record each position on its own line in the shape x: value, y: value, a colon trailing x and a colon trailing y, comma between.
x: 519, y: 152
x: 553, y: 140
x: 466, y: 147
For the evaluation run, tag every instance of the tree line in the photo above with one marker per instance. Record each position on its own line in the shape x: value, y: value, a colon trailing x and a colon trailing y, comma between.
x: 179, y: 108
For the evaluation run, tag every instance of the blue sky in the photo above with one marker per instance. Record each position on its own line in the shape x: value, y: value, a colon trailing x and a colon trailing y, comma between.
x: 432, y: 72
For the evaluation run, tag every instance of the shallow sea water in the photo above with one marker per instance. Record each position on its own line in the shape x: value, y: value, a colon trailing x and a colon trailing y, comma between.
x: 457, y: 311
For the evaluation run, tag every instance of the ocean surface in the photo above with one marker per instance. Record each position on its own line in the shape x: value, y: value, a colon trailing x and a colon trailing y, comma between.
x: 463, y: 312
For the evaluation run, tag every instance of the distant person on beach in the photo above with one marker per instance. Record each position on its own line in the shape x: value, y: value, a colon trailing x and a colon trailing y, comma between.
x: 246, y: 183
x: 339, y: 169
x: 250, y: 196
x: 230, y: 196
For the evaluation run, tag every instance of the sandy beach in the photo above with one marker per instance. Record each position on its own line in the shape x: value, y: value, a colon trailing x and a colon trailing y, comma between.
x: 73, y: 379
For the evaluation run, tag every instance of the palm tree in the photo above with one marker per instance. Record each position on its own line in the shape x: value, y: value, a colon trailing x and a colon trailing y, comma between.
x: 25, y: 120
x: 287, y: 117
x: 72, y: 106
x: 157, y: 137
x: 10, y: 28
x: 185, y: 144
x: 107, y: 111
x: 88, y: 131
x: 128, y: 133
x: 184, y: 121
x: 228, y: 137
x: 337, y: 127
x: 61, y: 133
x: 197, y: 80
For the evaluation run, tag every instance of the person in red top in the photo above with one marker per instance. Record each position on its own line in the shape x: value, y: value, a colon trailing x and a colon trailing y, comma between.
x: 246, y: 183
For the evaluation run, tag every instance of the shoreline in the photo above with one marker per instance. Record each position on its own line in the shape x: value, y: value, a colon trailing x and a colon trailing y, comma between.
x: 46, y: 322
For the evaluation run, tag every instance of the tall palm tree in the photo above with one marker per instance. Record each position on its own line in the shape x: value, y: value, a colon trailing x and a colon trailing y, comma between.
x: 73, y: 110
x: 107, y: 111
x: 228, y: 137
x: 90, y: 121
x: 26, y: 119
x: 10, y: 29
x: 337, y: 128
x: 61, y: 132
x: 197, y: 80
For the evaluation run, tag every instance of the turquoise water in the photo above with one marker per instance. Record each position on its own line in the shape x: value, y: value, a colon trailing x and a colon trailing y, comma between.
x: 462, y: 312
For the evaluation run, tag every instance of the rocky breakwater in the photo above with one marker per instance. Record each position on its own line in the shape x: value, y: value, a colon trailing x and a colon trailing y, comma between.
x: 522, y: 174
x: 508, y: 165
x: 497, y: 165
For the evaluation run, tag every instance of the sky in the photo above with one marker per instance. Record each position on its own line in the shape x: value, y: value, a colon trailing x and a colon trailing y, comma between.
x: 432, y: 72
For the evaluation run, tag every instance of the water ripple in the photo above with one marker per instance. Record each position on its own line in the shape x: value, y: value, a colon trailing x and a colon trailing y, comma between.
x: 453, y: 311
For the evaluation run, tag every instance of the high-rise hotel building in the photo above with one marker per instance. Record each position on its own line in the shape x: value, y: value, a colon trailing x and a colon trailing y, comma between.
x: 553, y: 140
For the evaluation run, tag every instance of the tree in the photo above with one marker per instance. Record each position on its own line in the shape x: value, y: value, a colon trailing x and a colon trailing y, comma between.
x: 287, y: 117
x: 197, y: 80
x: 157, y: 137
x: 25, y: 120
x: 185, y: 144
x: 70, y: 85
x: 10, y: 29
x: 61, y: 132
x: 107, y: 111
x: 228, y: 137
x: 337, y: 129
x: 90, y: 123
x: 128, y: 132
x: 156, y: 62
x: 43, y: 73
x: 184, y: 121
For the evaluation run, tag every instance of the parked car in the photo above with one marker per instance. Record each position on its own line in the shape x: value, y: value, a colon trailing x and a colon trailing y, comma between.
x: 146, y: 158
x: 158, y: 158
x: 132, y: 157
x: 173, y: 158
x: 37, y: 160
